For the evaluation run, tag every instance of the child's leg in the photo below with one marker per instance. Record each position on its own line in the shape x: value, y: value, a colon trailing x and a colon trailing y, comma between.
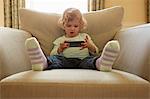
x: 60, y: 62
x: 108, y: 57
x: 88, y: 63
x: 37, y: 57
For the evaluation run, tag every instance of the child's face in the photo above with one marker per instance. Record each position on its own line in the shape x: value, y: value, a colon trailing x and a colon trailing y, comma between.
x: 72, y: 28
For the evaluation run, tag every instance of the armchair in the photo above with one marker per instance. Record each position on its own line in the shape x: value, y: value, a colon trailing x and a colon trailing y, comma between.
x: 129, y: 79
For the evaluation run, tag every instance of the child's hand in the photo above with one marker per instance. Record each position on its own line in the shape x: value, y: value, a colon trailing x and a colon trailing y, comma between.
x: 87, y: 44
x: 62, y: 47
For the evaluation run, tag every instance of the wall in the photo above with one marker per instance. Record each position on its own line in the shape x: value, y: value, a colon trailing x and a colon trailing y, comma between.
x: 1, y: 13
x: 135, y: 11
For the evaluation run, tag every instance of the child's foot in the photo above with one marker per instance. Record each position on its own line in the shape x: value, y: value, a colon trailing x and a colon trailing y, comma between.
x: 108, y: 57
x: 37, y: 57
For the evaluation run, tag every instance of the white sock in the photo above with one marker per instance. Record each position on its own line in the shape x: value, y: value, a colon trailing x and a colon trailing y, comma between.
x: 37, y: 57
x: 108, y: 57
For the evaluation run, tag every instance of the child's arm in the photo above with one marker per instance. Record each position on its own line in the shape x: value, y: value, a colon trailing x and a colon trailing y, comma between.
x: 56, y: 46
x: 54, y: 50
x: 93, y: 49
x: 59, y: 48
x: 62, y: 47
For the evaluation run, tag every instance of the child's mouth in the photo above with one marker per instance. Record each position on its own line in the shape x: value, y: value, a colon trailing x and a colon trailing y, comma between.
x: 71, y: 32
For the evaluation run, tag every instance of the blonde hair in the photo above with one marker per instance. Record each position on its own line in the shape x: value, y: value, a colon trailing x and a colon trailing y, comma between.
x: 71, y: 14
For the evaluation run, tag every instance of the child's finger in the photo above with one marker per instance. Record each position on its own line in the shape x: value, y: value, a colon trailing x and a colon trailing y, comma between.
x: 82, y: 48
x: 84, y: 45
x: 66, y: 45
x: 86, y: 38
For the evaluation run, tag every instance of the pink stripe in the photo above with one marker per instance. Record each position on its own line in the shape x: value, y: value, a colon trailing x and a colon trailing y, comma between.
x: 108, y: 55
x: 32, y: 49
x: 37, y: 62
x: 107, y: 59
x: 98, y: 62
x: 45, y: 65
x: 111, y: 50
x: 35, y: 57
x: 34, y: 53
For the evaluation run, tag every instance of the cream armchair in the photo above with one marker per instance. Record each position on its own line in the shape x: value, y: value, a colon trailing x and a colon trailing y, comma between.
x: 129, y: 79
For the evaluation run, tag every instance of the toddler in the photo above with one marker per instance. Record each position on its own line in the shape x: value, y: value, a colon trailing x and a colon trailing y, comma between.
x: 63, y: 55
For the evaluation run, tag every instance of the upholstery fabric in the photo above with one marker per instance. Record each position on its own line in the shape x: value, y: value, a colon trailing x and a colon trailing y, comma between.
x: 13, y: 55
x: 135, y: 52
x: 79, y: 84
x: 103, y: 26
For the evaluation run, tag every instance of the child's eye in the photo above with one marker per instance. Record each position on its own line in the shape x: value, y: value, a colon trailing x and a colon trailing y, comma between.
x: 76, y: 26
x: 68, y: 25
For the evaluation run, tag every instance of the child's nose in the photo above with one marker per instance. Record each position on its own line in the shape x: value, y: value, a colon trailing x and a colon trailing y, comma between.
x: 71, y: 28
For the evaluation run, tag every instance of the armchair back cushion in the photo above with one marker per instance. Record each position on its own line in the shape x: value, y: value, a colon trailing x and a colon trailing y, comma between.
x: 102, y: 26
x: 134, y: 56
x: 13, y: 56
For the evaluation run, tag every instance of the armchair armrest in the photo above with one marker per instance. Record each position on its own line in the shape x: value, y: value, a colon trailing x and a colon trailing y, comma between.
x: 13, y: 57
x: 135, y: 50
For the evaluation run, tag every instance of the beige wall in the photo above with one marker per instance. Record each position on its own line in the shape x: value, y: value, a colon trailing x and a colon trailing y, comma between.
x: 135, y: 11
x: 1, y: 13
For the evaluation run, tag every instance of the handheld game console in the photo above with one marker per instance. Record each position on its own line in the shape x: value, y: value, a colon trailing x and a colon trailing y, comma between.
x: 74, y: 43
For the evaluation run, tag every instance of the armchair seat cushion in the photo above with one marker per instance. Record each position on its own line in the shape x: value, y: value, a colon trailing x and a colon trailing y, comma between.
x: 79, y: 84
